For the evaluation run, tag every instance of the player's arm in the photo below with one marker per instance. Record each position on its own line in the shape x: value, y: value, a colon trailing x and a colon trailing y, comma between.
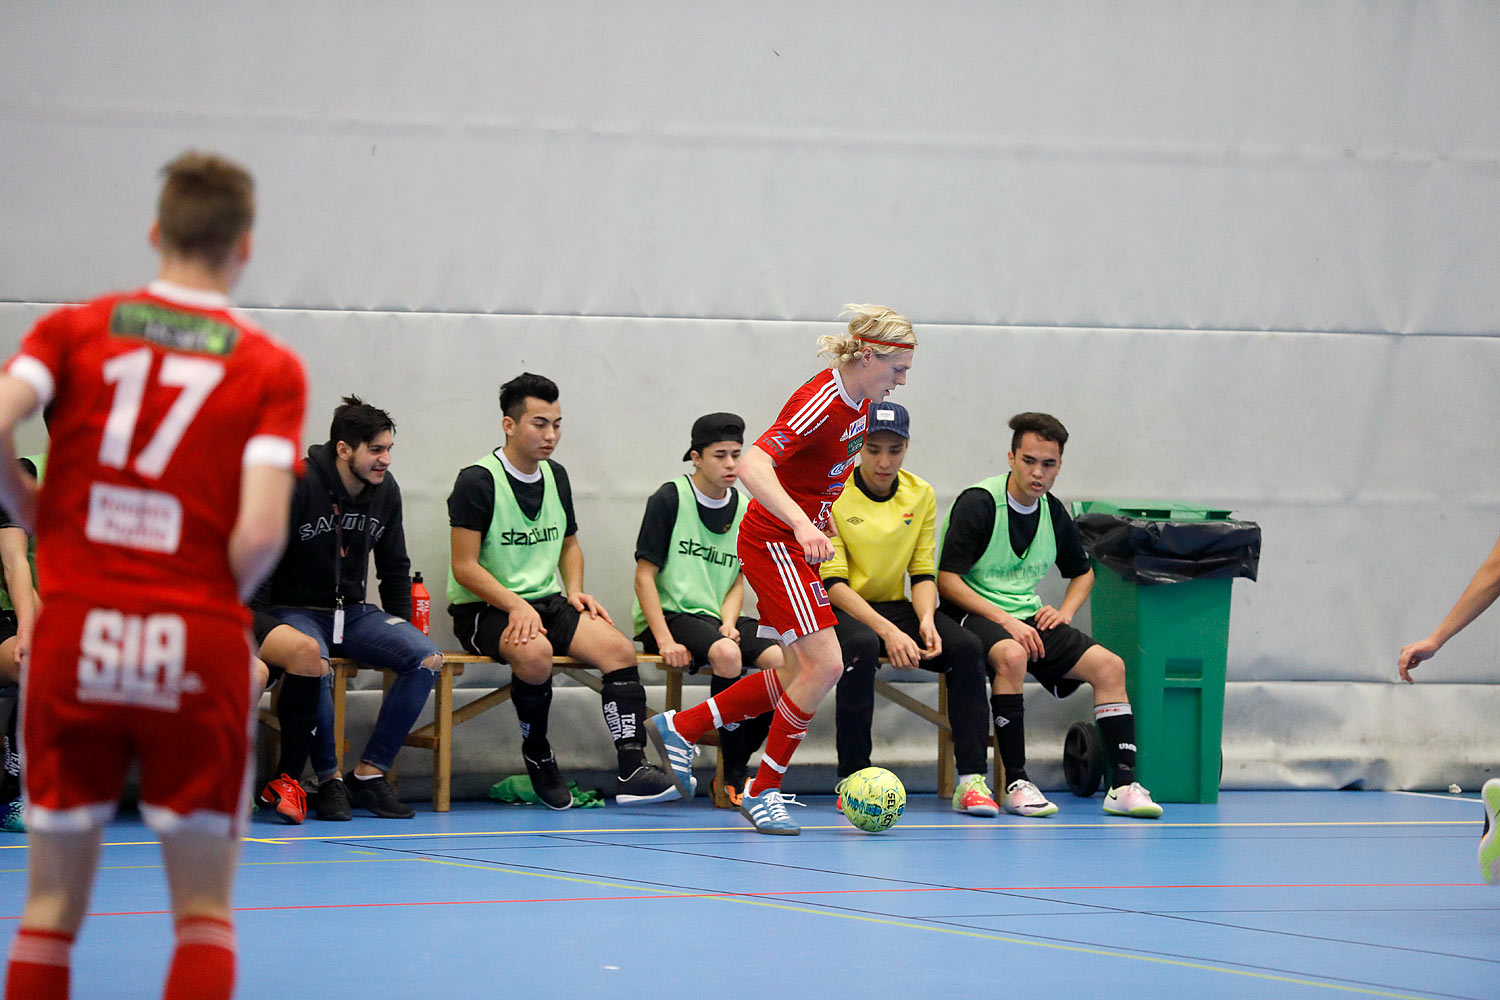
x: 259, y: 533
x: 902, y: 649
x: 1477, y: 596
x: 673, y: 653
x: 18, y: 583
x: 570, y: 566
x: 393, y: 564
x: 921, y: 569
x: 1078, y: 591
x: 17, y: 492
x: 758, y: 473
x: 729, y: 611
x: 955, y: 591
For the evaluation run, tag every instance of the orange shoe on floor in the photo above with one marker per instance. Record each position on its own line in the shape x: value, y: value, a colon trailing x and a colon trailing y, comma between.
x: 286, y: 797
x: 729, y: 792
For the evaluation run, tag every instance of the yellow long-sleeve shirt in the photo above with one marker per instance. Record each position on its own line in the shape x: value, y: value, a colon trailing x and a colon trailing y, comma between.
x: 880, y: 542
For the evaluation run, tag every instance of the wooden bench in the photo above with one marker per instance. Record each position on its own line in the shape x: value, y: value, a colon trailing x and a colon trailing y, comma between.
x: 437, y: 735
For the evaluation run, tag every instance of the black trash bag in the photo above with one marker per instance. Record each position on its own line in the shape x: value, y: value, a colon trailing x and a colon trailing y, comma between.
x: 1151, y: 552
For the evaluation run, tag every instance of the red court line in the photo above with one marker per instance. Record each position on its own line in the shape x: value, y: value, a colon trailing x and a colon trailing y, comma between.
x: 808, y: 892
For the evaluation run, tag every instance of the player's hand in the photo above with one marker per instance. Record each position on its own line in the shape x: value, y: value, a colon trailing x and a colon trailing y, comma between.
x: 585, y: 602
x: 1029, y: 638
x: 523, y: 626
x: 1049, y: 618
x: 927, y: 629
x: 902, y: 649
x: 728, y: 631
x: 816, y: 548
x: 1413, y: 655
x: 675, y: 654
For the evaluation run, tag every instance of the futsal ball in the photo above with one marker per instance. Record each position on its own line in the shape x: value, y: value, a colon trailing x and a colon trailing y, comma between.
x: 874, y: 799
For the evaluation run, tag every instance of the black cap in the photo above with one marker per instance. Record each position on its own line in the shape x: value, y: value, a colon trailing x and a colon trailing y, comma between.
x: 713, y: 427
x: 890, y: 417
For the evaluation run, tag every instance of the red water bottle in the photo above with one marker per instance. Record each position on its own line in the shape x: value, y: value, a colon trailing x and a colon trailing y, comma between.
x: 421, y: 605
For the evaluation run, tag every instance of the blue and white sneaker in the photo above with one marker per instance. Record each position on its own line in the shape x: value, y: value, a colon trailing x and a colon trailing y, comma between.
x: 675, y: 752
x: 767, y: 812
x: 1489, y: 842
x: 13, y: 816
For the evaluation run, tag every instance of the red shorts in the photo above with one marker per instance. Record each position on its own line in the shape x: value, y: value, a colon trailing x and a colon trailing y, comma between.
x: 788, y: 592
x: 104, y: 687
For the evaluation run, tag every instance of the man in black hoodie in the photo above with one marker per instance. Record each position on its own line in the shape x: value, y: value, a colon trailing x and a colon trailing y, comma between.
x: 345, y: 508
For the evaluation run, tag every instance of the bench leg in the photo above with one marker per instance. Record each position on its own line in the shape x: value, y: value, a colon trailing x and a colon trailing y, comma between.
x: 945, y: 744
x: 442, y: 753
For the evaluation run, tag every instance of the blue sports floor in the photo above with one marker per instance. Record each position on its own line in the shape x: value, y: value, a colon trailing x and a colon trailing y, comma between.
x: 1266, y: 894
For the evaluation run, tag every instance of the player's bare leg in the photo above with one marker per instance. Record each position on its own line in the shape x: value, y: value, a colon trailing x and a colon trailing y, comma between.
x: 200, y: 876
x: 60, y: 883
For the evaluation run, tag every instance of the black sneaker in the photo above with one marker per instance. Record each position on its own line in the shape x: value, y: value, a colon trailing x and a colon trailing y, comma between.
x: 647, y: 783
x: 331, y: 801
x: 548, y: 782
x: 376, y: 795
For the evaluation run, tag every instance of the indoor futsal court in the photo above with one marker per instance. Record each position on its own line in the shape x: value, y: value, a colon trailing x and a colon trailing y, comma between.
x: 1245, y: 251
x: 1266, y: 894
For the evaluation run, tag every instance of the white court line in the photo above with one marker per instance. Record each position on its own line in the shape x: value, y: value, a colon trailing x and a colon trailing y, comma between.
x: 1445, y: 796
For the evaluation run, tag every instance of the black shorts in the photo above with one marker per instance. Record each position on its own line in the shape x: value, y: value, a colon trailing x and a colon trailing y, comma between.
x: 1062, y: 647
x: 261, y: 624
x: 479, y: 626
x: 8, y: 625
x: 698, y: 632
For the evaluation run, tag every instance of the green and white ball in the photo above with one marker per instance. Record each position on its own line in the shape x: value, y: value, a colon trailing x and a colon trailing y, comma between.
x: 874, y: 799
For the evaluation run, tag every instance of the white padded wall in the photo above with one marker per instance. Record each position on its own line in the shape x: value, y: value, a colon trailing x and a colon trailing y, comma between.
x: 1245, y: 251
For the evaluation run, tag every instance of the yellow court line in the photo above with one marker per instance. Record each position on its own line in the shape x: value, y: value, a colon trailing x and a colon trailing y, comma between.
x: 959, y: 932
x: 243, y: 864
x: 1028, y: 827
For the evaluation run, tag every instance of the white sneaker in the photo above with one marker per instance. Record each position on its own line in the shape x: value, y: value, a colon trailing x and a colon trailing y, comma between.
x: 1022, y: 798
x: 1131, y: 800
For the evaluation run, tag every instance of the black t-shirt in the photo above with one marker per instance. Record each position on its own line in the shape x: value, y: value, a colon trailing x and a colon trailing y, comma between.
x: 28, y: 467
x: 472, y: 503
x: 972, y: 522
x: 661, y: 515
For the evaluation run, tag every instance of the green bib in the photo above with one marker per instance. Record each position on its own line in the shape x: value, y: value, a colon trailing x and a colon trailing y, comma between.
x: 1000, y: 576
x: 40, y: 461
x: 520, y: 553
x: 701, y: 564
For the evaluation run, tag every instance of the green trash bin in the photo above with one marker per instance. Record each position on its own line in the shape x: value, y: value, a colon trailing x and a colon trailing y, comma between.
x: 1173, y: 636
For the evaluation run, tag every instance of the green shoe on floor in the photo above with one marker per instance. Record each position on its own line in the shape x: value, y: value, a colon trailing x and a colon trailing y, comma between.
x: 1489, y: 842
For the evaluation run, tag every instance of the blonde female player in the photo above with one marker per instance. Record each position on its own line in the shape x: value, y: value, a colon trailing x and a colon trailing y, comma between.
x: 795, y: 470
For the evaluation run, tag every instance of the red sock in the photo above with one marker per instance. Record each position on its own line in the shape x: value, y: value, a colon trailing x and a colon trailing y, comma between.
x: 38, y: 965
x: 203, y: 964
x: 751, y: 695
x: 787, y: 729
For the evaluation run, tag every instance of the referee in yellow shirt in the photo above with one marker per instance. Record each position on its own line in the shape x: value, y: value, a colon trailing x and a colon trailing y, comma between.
x: 886, y: 521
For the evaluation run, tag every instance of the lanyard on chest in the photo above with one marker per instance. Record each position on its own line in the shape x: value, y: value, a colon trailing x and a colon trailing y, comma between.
x: 338, y: 570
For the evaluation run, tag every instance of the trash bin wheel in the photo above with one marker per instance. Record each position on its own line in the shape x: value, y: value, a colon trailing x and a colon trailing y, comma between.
x: 1083, y: 759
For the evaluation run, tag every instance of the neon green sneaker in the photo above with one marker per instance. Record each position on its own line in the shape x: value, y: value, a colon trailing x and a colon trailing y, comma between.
x: 974, y: 797
x: 1489, y: 842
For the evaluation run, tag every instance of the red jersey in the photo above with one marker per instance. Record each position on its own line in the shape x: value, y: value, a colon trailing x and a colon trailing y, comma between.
x: 814, y: 443
x: 159, y: 398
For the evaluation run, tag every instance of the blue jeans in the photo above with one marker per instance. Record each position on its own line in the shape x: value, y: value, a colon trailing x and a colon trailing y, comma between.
x: 375, y: 639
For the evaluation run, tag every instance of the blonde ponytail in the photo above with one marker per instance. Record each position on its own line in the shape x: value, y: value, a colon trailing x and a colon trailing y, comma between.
x: 883, y: 330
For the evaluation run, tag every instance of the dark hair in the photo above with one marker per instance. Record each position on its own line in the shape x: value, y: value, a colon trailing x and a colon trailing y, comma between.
x: 207, y: 203
x: 1043, y: 425
x: 357, y: 422
x: 527, y: 385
